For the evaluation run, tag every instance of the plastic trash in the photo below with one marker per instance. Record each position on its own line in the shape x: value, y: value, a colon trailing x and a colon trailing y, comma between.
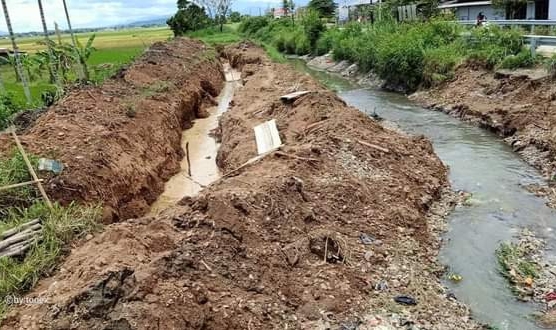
x: 405, y: 300
x: 366, y: 239
x: 50, y: 165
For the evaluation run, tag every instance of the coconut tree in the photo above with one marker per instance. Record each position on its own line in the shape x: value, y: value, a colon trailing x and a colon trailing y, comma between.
x: 74, y: 42
x: 16, y: 54
x: 51, y: 64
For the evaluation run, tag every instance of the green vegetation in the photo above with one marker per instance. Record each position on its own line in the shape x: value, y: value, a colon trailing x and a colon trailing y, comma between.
x: 60, y: 226
x: 189, y: 17
x: 213, y: 35
x: 404, y: 55
x: 102, y: 54
x: 551, y: 66
x: 515, y: 261
x: 324, y: 8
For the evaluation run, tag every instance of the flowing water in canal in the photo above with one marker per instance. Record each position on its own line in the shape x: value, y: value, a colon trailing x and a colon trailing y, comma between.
x: 480, y: 163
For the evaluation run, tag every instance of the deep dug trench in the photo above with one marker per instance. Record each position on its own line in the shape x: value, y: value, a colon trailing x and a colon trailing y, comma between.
x: 306, y: 238
x: 121, y: 141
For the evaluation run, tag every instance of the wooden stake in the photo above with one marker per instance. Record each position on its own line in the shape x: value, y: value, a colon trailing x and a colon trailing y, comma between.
x: 31, y: 170
x: 20, y: 184
x: 374, y: 146
x: 188, y: 160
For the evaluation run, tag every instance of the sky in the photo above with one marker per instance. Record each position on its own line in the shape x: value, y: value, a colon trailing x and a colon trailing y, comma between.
x: 25, y: 16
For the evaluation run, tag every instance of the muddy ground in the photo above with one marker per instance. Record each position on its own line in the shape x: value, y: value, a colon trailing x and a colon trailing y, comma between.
x: 120, y: 141
x: 321, y: 234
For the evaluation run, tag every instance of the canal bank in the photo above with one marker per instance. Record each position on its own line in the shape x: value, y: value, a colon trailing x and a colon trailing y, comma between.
x: 483, y: 164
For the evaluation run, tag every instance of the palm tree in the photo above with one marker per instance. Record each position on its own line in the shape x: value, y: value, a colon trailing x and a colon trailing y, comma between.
x: 16, y: 54
x: 74, y: 42
x: 52, y: 65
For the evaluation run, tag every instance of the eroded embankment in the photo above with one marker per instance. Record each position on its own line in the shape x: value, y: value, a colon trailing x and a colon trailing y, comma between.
x: 121, y: 141
x: 517, y: 106
x: 325, y: 232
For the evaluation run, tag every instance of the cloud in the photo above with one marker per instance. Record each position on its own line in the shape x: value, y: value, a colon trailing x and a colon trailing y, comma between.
x: 25, y: 15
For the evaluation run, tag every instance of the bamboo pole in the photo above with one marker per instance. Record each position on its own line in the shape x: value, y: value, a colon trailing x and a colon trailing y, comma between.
x: 52, y: 64
x: 27, y: 183
x: 16, y: 230
x: 80, y: 71
x: 30, y: 168
x: 18, y: 65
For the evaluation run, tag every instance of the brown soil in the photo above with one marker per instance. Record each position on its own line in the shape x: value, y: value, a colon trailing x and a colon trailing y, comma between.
x: 121, y: 141
x: 276, y: 244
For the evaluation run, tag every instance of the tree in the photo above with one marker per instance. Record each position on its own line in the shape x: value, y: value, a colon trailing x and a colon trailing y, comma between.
x: 189, y: 17
x: 235, y: 17
x: 51, y: 65
x: 512, y: 7
x: 312, y: 27
x: 325, y: 8
x: 217, y: 10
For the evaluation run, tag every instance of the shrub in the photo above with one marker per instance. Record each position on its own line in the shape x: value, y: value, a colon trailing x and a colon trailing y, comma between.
x: 253, y: 24
x: 312, y: 27
x: 8, y: 108
x: 439, y: 64
x: 523, y: 59
x: 550, y: 65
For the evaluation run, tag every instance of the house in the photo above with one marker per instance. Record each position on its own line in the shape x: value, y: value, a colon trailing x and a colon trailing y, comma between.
x: 469, y: 9
x: 279, y: 12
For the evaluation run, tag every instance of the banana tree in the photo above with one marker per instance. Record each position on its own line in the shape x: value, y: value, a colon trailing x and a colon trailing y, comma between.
x: 80, y: 70
x: 26, y: 89
x: 51, y: 61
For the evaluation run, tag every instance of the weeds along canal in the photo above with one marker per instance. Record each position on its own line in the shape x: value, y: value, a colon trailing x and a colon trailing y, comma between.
x: 482, y: 164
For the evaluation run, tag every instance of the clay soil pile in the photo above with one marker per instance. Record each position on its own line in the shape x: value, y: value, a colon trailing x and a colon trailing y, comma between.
x: 121, y: 141
x: 321, y: 234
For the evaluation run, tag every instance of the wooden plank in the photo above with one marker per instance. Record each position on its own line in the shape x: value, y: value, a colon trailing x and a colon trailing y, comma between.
x: 16, y: 230
x: 267, y: 137
x: 27, y: 183
x: 293, y: 96
x: 30, y: 168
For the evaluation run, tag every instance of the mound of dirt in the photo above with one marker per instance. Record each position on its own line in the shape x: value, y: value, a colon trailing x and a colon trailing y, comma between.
x: 121, y: 141
x: 324, y: 233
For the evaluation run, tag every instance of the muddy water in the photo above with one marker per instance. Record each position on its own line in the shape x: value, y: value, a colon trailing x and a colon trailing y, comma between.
x: 202, y: 151
x: 484, y: 165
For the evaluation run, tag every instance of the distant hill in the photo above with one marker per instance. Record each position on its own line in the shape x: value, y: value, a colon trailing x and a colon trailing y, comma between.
x: 148, y: 22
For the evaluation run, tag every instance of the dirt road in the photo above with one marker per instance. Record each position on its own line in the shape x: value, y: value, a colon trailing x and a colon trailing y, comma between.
x: 322, y: 234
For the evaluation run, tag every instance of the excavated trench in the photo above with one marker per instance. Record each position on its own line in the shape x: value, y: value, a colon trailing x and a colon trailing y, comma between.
x: 323, y: 234
x: 198, y: 168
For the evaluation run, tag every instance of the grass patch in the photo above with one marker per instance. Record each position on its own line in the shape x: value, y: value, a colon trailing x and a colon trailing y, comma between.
x: 13, y: 170
x: 213, y: 36
x: 60, y: 226
x: 515, y: 262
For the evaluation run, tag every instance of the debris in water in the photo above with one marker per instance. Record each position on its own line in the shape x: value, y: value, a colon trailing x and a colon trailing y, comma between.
x: 455, y: 277
x: 405, y: 300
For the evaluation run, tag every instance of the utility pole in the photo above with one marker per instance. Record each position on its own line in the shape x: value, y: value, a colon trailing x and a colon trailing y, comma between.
x: 74, y: 42
x: 18, y: 65
x: 51, y: 64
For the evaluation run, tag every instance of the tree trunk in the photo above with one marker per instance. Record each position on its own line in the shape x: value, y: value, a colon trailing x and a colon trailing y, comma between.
x: 16, y: 54
x: 80, y: 71
x: 51, y: 65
